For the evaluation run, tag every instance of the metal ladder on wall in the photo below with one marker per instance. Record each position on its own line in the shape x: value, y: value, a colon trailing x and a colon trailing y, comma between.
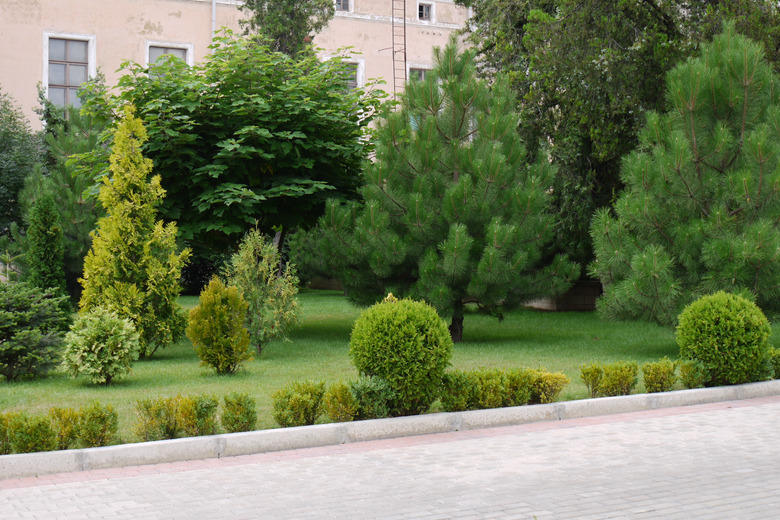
x: 399, y: 45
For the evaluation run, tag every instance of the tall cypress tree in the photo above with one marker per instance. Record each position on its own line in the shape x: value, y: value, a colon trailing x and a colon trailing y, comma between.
x: 46, y: 249
x: 134, y: 267
x: 701, y: 208
x: 454, y: 211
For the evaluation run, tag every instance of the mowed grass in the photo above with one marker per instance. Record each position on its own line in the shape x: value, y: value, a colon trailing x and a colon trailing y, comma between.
x: 319, y: 349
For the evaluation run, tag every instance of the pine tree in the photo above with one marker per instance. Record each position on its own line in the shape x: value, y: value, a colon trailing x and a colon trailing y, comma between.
x: 133, y: 267
x: 701, y: 208
x: 46, y: 249
x: 454, y: 212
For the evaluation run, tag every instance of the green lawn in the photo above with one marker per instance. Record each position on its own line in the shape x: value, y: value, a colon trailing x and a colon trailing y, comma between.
x: 318, y: 349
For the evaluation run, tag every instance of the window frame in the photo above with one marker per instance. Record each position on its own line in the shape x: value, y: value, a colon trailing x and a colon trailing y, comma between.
x: 431, y: 10
x: 349, y: 9
x: 188, y: 48
x: 91, y: 41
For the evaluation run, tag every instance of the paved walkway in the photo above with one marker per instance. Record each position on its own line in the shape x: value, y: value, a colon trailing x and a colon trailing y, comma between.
x: 716, y: 461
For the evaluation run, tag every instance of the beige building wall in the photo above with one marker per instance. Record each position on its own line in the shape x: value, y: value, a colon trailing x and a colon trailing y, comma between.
x: 118, y: 30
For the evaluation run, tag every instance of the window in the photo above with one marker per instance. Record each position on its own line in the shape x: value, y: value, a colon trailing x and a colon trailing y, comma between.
x: 351, y: 75
x: 425, y: 12
x: 418, y: 74
x: 68, y: 68
x: 156, y: 52
x: 342, y: 5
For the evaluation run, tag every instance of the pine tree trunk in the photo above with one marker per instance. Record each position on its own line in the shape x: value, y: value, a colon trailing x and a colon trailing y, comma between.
x: 456, y: 328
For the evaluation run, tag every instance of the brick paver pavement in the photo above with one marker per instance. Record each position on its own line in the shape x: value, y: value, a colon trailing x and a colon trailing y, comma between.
x: 717, y: 461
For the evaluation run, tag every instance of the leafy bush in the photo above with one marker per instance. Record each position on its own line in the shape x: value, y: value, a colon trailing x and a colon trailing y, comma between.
x: 519, y: 386
x: 659, y: 376
x: 239, y: 413
x: 373, y: 395
x: 46, y: 249
x: 31, y: 433
x: 490, y: 388
x: 486, y: 388
x: 32, y: 325
x: 158, y: 418
x: 100, y: 345
x: 197, y: 415
x: 66, y: 426
x: 458, y: 390
x: 408, y: 345
x: 338, y: 403
x: 729, y: 335
x: 298, y: 403
x: 255, y: 270
x: 134, y: 266
x: 774, y: 357
x: 5, y: 442
x: 216, y: 328
x: 619, y: 378
x: 591, y: 375
x: 98, y: 425
x: 546, y: 386
x: 692, y: 374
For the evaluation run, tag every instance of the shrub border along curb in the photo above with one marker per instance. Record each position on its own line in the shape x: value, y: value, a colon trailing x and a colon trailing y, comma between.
x: 262, y: 441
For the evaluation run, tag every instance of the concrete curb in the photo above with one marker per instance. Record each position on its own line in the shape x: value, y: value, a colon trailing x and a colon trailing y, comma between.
x: 228, y: 445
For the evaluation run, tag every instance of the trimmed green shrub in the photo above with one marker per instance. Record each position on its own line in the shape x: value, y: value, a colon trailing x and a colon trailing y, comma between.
x: 373, y: 396
x: 338, y: 403
x: 407, y: 344
x: 98, y: 425
x: 774, y: 358
x: 239, y: 413
x: 31, y: 433
x: 100, y: 345
x: 619, y: 378
x: 158, y: 418
x: 298, y: 403
x: 46, y: 249
x: 216, y: 328
x: 546, y: 386
x: 66, y: 426
x: 197, y: 415
x: 32, y: 326
x: 659, y: 376
x: 591, y: 375
x: 458, y: 391
x: 5, y: 422
x: 729, y: 335
x: 268, y: 289
x: 519, y: 386
x: 692, y: 374
x: 490, y: 388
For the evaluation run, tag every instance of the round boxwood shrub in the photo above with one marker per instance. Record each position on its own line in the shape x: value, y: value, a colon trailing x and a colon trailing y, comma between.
x: 408, y: 345
x: 729, y: 336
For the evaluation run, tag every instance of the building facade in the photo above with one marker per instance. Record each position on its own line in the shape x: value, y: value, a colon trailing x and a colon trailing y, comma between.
x: 60, y: 43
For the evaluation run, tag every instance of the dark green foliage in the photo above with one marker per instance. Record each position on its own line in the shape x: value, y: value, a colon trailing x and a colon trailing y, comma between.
x: 20, y: 151
x: 66, y: 426
x: 100, y: 345
x: 619, y: 378
x: 298, y: 403
x: 699, y: 212
x: 216, y: 328
x: 247, y: 136
x: 405, y: 343
x: 729, y: 335
x: 692, y: 374
x: 98, y: 425
x: 28, y: 433
x: 5, y: 442
x: 198, y: 415
x: 339, y: 403
x: 591, y: 375
x: 546, y: 386
x: 32, y: 326
x: 774, y: 356
x: 373, y: 395
x: 239, y: 413
x: 458, y: 390
x: 659, y: 376
x: 45, y: 253
x: 455, y: 212
x: 288, y: 24
x: 485, y: 388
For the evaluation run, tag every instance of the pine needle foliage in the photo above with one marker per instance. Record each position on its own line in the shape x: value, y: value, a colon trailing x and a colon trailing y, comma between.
x: 454, y: 212
x: 46, y: 253
x: 701, y: 208
x: 134, y: 267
